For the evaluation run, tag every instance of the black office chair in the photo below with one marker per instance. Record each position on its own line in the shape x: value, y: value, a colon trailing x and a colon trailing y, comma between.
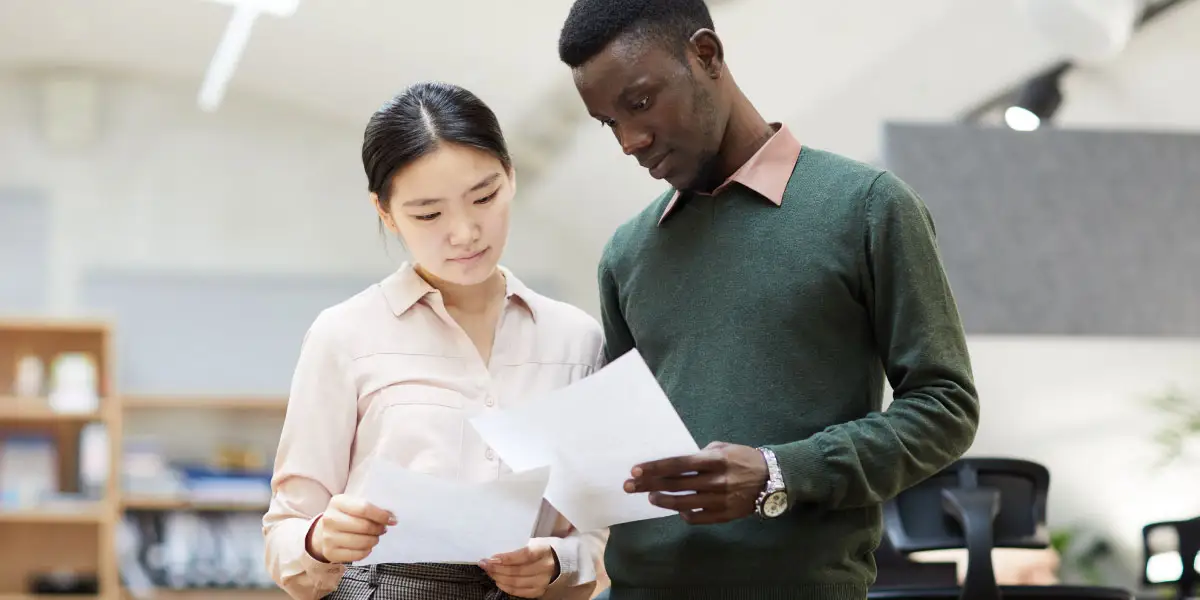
x: 1185, y: 543
x: 895, y: 570
x: 979, y: 504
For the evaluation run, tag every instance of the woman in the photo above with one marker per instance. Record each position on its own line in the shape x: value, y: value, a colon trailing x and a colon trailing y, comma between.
x: 397, y: 370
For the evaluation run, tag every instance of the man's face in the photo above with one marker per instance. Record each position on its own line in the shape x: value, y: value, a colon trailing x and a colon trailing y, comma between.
x: 660, y: 107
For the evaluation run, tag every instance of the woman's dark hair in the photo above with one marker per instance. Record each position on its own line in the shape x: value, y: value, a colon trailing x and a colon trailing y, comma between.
x: 417, y: 121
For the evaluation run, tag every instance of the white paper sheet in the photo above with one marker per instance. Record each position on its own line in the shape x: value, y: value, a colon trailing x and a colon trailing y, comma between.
x: 592, y: 433
x: 448, y: 521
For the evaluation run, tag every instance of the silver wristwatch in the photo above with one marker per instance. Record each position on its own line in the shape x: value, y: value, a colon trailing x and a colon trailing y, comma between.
x: 773, y: 500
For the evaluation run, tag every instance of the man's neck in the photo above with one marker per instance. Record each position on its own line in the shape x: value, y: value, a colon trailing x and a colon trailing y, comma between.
x: 746, y: 132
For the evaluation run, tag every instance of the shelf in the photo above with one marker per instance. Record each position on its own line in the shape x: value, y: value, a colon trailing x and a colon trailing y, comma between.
x: 166, y: 504
x: 15, y: 408
x: 247, y: 403
x: 219, y: 593
x: 83, y: 513
x: 55, y: 325
x: 48, y: 597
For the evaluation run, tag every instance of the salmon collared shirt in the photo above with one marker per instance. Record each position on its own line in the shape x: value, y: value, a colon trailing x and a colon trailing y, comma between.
x: 767, y: 172
x: 389, y: 374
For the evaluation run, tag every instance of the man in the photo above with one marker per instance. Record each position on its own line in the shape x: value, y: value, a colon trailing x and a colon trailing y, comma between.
x: 770, y: 290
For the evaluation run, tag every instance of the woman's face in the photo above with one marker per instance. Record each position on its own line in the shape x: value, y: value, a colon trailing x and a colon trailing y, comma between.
x: 451, y: 208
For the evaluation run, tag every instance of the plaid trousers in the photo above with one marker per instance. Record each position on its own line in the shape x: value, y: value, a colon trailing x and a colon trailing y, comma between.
x: 417, y: 582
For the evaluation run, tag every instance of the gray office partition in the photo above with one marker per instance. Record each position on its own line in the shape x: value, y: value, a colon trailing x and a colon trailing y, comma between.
x: 1062, y: 231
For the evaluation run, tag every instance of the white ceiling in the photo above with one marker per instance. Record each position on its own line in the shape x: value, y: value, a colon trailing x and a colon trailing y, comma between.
x: 834, y: 71
x: 339, y: 58
x: 799, y: 60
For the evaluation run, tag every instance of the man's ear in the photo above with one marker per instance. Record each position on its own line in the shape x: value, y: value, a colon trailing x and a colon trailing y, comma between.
x: 709, y: 51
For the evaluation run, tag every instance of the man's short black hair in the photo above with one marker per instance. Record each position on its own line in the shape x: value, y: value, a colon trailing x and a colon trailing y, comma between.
x: 593, y: 24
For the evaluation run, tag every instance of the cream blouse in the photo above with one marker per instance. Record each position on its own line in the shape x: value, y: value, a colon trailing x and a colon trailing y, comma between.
x: 388, y: 373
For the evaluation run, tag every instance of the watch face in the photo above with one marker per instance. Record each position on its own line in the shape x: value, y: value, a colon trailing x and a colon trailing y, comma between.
x: 775, y: 505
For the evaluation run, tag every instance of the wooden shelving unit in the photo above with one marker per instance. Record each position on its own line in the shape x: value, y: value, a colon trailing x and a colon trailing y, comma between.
x: 218, y: 594
x: 72, y: 535
x: 37, y: 410
x: 86, y: 513
x: 237, y: 407
x: 44, y: 597
x: 81, y: 535
x: 167, y: 504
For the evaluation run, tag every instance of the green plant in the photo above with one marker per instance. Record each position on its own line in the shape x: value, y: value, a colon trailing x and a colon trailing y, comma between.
x: 1083, y: 554
x: 1180, y: 424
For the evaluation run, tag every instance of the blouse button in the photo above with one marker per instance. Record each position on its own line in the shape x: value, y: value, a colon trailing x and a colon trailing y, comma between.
x: 489, y: 454
x: 489, y: 401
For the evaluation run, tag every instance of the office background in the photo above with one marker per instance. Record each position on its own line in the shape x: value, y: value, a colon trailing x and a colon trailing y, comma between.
x: 194, y: 241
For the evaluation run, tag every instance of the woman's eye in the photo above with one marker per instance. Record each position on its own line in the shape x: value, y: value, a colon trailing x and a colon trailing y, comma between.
x: 487, y: 198
x: 428, y: 217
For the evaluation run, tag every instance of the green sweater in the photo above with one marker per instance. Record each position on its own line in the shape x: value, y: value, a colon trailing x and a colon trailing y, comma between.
x: 776, y: 325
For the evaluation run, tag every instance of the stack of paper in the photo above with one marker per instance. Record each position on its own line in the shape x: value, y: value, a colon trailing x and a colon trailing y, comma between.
x: 591, y: 434
x: 574, y: 446
x: 449, y: 521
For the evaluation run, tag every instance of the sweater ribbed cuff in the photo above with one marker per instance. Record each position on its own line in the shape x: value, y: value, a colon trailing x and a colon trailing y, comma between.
x: 805, y: 472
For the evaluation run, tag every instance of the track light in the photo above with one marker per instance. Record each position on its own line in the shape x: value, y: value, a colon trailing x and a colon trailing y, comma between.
x: 233, y: 43
x: 1038, y: 101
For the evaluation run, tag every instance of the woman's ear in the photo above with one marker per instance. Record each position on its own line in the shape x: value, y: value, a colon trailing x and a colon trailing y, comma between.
x: 385, y: 217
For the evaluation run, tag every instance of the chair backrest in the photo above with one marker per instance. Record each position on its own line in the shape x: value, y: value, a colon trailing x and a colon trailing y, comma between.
x: 978, y: 504
x: 917, y: 520
x: 1171, y: 554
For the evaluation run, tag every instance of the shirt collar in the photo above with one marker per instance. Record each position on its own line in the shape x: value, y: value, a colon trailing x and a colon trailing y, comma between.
x: 404, y: 288
x: 767, y: 172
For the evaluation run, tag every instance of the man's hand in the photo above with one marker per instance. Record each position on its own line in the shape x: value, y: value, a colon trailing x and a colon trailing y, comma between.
x: 725, y: 479
x: 524, y: 573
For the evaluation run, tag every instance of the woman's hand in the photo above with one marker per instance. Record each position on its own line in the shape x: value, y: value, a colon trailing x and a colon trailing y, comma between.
x: 348, y: 530
x: 524, y: 573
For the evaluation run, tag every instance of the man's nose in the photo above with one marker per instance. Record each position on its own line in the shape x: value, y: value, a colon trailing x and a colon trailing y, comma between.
x: 634, y: 141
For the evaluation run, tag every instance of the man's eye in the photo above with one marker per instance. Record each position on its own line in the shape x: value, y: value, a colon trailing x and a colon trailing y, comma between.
x: 607, y: 122
x: 641, y: 104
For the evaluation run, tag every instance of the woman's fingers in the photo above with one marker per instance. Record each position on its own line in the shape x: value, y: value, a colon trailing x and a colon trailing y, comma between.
x: 357, y: 507
x: 340, y: 521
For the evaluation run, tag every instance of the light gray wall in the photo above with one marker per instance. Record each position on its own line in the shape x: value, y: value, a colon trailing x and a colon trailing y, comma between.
x: 188, y: 228
x: 209, y: 333
x: 24, y: 251
x: 1060, y: 231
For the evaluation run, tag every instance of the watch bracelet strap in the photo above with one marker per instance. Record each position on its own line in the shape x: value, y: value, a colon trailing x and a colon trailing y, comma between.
x: 774, y: 474
x: 774, y: 479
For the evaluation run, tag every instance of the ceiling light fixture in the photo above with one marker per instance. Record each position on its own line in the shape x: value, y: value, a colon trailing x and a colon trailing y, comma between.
x: 233, y: 44
x: 1097, y: 31
x: 1037, y: 102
